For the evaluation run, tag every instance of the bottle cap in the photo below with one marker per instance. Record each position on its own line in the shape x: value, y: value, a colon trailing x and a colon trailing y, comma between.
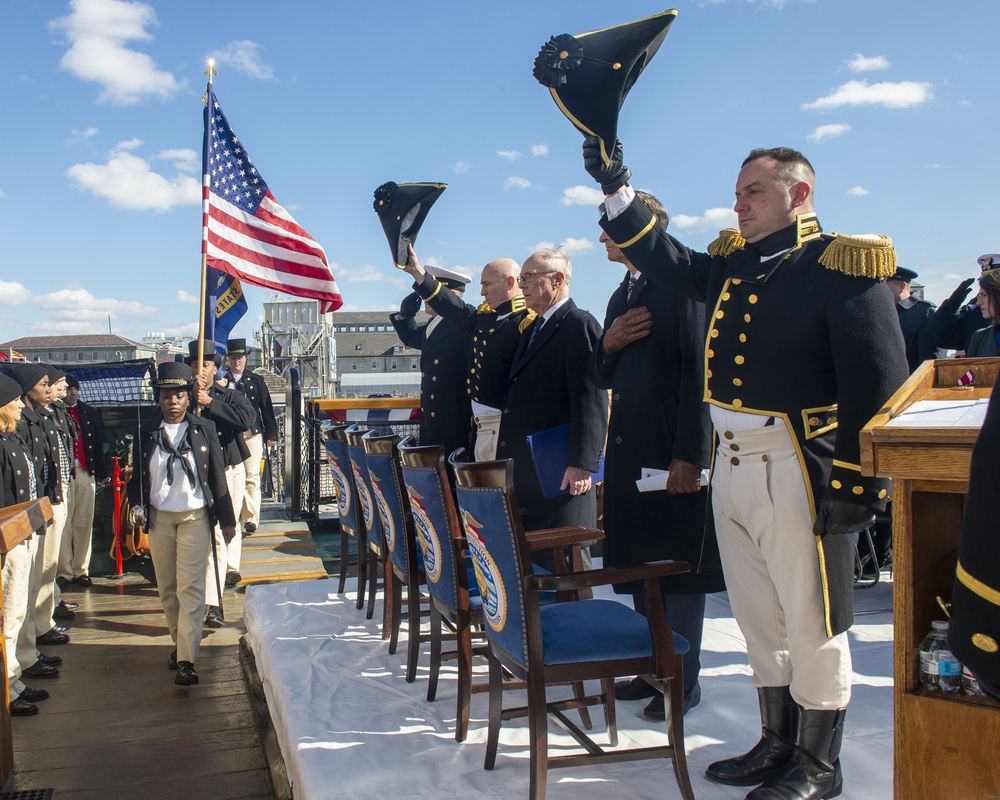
x: 940, y: 625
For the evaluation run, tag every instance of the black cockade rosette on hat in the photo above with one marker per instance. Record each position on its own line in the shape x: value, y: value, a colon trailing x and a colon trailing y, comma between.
x: 590, y: 74
x: 402, y: 209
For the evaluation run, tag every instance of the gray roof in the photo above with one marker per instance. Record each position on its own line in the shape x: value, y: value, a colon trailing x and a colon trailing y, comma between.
x: 72, y: 342
x: 372, y: 344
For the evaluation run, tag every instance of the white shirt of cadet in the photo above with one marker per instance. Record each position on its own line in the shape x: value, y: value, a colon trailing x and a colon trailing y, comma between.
x: 179, y: 495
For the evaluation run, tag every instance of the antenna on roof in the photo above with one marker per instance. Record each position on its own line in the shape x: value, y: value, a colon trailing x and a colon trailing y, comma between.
x: 109, y: 324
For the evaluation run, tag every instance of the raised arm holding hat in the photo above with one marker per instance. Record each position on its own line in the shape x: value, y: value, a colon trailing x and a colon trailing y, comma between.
x: 803, y: 348
x: 263, y: 431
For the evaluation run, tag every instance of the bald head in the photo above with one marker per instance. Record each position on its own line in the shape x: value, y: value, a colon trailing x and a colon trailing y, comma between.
x: 499, y: 281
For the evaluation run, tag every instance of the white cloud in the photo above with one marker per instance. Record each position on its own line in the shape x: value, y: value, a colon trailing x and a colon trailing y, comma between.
x: 829, y: 131
x: 371, y: 274
x: 510, y: 155
x: 712, y: 219
x: 965, y: 102
x: 539, y: 149
x: 858, y: 191
x: 903, y: 94
x: 128, y: 182
x: 86, y: 133
x: 13, y: 293
x: 187, y: 297
x: 183, y: 158
x: 514, y: 182
x: 461, y: 167
x: 862, y: 63
x: 98, y: 31
x: 243, y: 56
x: 581, y: 195
x: 952, y: 276
x: 186, y: 329
x: 76, y: 310
x: 570, y: 246
x: 2, y: 193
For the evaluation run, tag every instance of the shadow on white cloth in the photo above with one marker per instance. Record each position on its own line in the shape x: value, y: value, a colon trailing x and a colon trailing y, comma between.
x: 350, y: 726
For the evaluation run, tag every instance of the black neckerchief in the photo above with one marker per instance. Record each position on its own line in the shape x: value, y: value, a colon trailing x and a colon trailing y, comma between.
x: 184, y: 446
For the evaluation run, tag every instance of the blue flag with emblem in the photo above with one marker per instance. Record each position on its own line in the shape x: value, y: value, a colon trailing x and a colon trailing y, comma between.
x: 225, y: 305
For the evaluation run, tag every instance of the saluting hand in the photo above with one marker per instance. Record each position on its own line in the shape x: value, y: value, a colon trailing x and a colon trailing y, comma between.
x: 634, y: 324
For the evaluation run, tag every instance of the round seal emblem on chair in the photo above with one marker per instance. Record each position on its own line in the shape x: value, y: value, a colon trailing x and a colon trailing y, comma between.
x: 343, y: 492
x: 488, y: 576
x: 426, y: 536
x: 383, y: 508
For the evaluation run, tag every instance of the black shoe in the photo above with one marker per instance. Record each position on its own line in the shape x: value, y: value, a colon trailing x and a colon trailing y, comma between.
x: 40, y: 670
x: 83, y: 580
x: 213, y: 618
x: 172, y: 660
x: 655, y: 710
x: 63, y: 612
x: 635, y: 689
x: 69, y: 605
x: 233, y: 577
x: 52, y: 661
x: 779, y: 717
x: 33, y: 695
x: 186, y: 676
x: 22, y: 708
x: 249, y: 527
x: 62, y: 628
x: 62, y: 582
x: 52, y: 637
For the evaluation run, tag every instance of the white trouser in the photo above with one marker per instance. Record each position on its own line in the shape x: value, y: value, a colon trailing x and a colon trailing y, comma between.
x: 487, y: 430
x: 249, y: 509
x: 179, y: 544
x: 16, y: 578
x: 769, y: 555
x: 227, y: 555
x: 74, y: 554
x: 48, y: 592
x: 27, y: 651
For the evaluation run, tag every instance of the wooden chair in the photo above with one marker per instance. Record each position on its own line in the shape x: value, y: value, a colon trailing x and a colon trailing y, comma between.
x: 373, y: 527
x: 564, y: 642
x: 347, y: 504
x: 404, y: 561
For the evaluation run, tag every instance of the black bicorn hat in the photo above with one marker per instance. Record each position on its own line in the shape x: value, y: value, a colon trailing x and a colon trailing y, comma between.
x: 590, y: 74
x: 402, y: 209
x: 173, y: 375
x: 237, y: 347
x: 208, y: 353
x: 903, y: 274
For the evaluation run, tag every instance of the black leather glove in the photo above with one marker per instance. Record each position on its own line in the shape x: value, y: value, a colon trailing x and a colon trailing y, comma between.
x: 839, y: 516
x: 410, y: 306
x: 612, y: 177
x: 960, y: 293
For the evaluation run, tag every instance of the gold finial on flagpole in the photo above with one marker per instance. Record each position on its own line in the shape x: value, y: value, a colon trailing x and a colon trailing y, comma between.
x: 210, y: 71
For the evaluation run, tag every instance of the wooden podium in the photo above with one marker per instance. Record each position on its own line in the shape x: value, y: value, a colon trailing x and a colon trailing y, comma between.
x: 945, y: 746
x: 17, y: 523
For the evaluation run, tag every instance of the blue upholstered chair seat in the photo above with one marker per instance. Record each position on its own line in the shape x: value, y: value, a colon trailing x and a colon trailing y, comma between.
x: 624, y: 633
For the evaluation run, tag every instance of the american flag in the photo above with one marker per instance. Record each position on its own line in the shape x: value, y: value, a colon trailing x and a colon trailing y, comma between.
x: 246, y: 232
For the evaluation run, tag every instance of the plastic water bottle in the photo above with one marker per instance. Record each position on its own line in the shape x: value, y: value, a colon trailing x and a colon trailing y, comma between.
x: 969, y: 684
x: 940, y: 671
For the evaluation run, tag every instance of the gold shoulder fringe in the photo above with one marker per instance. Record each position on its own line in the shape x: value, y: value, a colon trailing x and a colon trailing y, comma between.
x: 484, y: 308
x: 862, y: 256
x: 526, y: 322
x: 729, y: 242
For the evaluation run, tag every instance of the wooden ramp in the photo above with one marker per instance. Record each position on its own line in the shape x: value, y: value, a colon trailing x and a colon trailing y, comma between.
x: 278, y: 552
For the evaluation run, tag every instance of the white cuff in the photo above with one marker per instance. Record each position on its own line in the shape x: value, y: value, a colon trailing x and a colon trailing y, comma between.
x: 616, y: 203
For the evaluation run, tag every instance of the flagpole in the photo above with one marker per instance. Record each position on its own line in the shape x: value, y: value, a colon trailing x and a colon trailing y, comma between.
x: 210, y: 71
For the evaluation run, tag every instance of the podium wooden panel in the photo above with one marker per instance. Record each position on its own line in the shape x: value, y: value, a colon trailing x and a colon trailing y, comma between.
x: 17, y: 523
x: 945, y: 747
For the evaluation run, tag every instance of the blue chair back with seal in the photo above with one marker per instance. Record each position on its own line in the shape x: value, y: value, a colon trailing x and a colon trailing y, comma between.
x: 359, y: 468
x: 343, y: 479
x: 387, y: 493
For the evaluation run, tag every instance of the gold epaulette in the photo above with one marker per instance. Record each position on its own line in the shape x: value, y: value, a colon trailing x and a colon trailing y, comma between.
x: 484, y: 308
x: 862, y: 256
x: 729, y: 242
x: 526, y: 322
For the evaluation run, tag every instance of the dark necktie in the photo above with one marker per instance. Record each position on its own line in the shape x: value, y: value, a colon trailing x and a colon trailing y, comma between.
x: 534, y: 332
x: 176, y: 453
x: 632, y: 281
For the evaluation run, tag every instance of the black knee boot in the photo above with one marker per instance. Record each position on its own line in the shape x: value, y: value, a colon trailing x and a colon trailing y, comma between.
x: 814, y: 771
x: 778, y: 718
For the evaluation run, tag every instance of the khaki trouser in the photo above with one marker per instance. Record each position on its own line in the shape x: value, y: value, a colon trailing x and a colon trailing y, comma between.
x: 48, y: 592
x: 227, y: 555
x: 27, y: 651
x: 75, y: 552
x: 764, y: 526
x: 251, y: 499
x: 487, y: 431
x: 16, y: 579
x: 179, y: 545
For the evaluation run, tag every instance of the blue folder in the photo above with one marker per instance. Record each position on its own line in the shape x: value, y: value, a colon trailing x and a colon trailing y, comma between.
x: 549, y: 450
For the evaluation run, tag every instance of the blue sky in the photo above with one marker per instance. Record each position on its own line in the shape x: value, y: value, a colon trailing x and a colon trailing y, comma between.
x: 895, y: 103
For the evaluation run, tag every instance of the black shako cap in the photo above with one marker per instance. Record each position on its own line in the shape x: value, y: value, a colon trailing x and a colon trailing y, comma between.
x: 402, y: 209
x: 173, y: 375
x: 590, y: 74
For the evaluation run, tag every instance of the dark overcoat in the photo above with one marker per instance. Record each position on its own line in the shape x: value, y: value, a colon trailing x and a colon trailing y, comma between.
x: 549, y: 386
x: 233, y: 415
x: 15, y: 461
x: 657, y: 415
x: 445, y: 410
x: 254, y: 389
x: 916, y: 322
x: 92, y: 431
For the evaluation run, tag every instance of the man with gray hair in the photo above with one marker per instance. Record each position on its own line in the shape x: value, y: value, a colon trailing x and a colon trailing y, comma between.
x: 549, y: 385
